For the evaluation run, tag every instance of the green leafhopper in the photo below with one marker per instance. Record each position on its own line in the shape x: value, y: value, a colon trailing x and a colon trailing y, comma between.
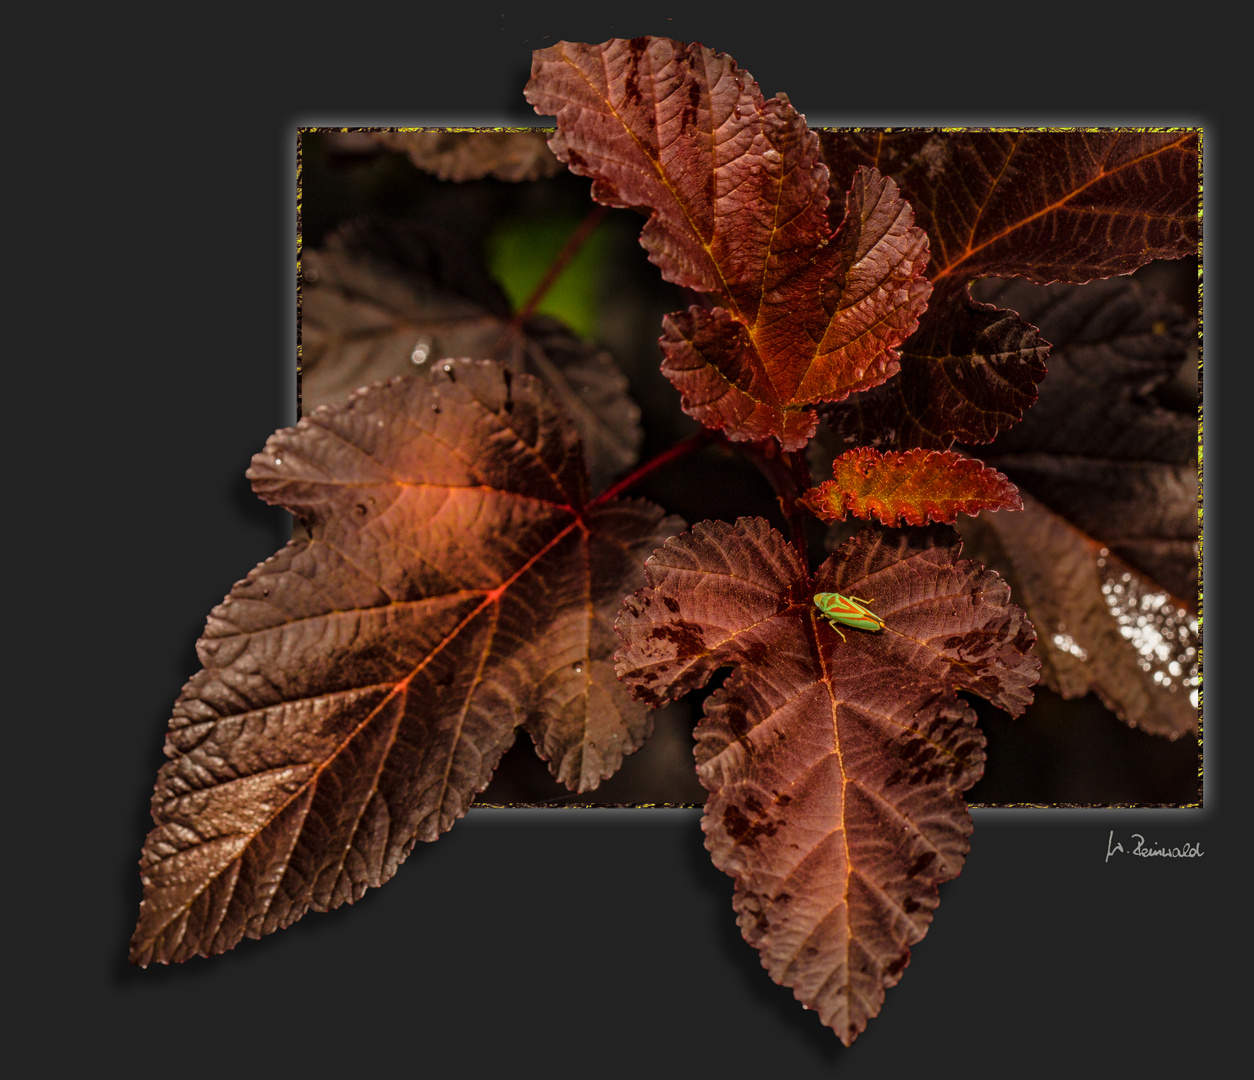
x: 847, y: 610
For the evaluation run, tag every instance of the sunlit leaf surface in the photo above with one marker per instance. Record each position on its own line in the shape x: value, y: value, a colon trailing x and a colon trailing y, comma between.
x: 359, y: 687
x: 798, y: 311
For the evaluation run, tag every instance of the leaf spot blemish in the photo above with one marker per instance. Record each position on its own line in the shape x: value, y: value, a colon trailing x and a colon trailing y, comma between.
x: 686, y: 637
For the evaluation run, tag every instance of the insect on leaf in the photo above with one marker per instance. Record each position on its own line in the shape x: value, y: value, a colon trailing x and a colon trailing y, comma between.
x: 847, y: 611
x: 835, y: 769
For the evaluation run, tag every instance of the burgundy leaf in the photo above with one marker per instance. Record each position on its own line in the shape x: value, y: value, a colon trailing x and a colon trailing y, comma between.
x: 1045, y: 205
x: 917, y: 486
x: 1105, y: 555
x: 391, y: 297
x: 1098, y: 447
x: 1105, y: 627
x: 800, y: 313
x: 360, y: 686
x: 835, y: 767
x: 472, y: 154
x: 965, y: 377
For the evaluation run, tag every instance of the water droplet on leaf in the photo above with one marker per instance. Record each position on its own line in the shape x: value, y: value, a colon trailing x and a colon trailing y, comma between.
x: 422, y: 350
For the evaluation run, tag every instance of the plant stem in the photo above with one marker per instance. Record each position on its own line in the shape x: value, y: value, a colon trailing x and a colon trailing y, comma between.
x: 570, y: 249
x: 789, y: 476
x: 681, y: 449
x: 797, y: 514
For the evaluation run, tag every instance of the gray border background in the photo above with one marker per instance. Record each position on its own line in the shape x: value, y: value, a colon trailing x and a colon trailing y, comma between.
x: 601, y: 941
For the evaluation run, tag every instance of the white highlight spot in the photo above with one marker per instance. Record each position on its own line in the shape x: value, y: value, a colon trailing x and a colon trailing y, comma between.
x: 422, y: 350
x: 1163, y: 635
x: 1068, y: 644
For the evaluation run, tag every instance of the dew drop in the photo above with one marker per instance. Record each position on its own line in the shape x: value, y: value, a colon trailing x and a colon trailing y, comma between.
x: 1163, y: 636
x: 578, y: 667
x: 360, y: 509
x: 435, y: 406
x: 278, y: 461
x: 422, y: 350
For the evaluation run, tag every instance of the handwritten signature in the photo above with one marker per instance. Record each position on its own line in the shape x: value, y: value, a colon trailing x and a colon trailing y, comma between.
x: 1183, y: 851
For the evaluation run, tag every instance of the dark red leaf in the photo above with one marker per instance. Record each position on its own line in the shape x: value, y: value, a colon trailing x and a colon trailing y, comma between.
x: 1098, y: 447
x: 1105, y: 555
x: 1104, y: 626
x: 964, y: 377
x: 835, y: 767
x: 360, y: 686
x: 917, y: 486
x: 1045, y: 205
x: 801, y: 313
x: 392, y: 297
x: 471, y: 154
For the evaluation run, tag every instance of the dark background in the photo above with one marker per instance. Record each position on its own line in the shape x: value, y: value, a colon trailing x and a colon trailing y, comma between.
x: 593, y: 941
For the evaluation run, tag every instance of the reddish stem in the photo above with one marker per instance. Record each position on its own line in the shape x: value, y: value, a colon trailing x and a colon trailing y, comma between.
x: 570, y: 249
x: 799, y: 468
x: 789, y: 477
x: 681, y: 449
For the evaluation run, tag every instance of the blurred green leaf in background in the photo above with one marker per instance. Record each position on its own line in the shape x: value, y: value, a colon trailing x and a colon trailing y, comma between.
x: 521, y: 249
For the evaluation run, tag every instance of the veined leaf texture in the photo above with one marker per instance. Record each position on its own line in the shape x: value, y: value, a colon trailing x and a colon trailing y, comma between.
x: 835, y: 765
x: 359, y: 687
x: 800, y: 311
x: 460, y: 579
